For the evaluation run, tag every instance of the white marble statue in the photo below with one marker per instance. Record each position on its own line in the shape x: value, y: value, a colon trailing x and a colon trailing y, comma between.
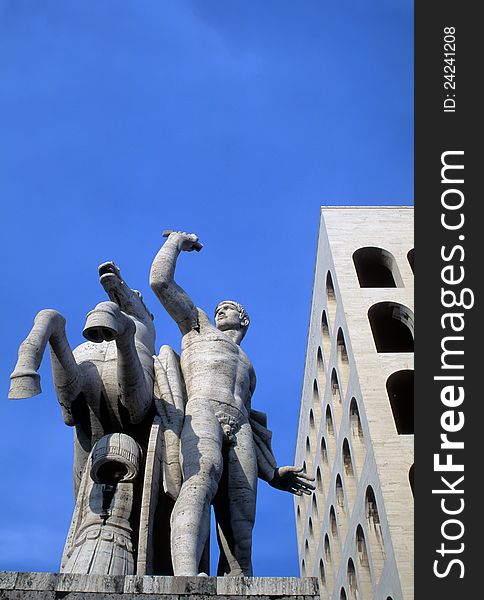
x: 106, y: 384
x: 100, y: 539
x: 184, y: 425
x: 225, y: 445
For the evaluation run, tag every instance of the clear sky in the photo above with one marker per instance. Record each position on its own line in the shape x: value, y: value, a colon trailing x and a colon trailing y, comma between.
x: 233, y: 119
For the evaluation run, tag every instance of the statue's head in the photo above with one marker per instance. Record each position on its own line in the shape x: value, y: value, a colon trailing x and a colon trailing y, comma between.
x: 231, y: 315
x: 129, y: 301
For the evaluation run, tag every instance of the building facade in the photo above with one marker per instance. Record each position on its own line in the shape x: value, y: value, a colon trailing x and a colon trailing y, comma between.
x: 355, y: 431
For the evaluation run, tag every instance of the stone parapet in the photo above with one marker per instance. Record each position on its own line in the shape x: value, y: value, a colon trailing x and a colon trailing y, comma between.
x: 56, y: 586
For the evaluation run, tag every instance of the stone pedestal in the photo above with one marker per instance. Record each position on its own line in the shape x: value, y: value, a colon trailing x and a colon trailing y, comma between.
x: 55, y: 586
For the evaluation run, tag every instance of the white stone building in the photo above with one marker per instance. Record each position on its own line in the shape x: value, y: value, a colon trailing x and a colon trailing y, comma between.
x: 356, y: 420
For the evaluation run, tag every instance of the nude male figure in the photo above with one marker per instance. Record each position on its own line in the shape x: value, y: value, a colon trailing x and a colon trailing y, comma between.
x: 220, y: 461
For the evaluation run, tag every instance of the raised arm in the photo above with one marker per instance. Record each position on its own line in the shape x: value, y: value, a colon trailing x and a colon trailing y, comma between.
x: 175, y: 300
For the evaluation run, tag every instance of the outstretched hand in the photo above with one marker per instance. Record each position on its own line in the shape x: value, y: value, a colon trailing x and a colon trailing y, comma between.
x: 292, y: 479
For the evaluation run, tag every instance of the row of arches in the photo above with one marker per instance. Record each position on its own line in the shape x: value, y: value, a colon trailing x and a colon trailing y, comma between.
x: 369, y: 552
x: 340, y: 380
x: 322, y: 472
x: 329, y: 435
x: 392, y: 325
x: 345, y: 486
x: 375, y: 268
x: 400, y: 390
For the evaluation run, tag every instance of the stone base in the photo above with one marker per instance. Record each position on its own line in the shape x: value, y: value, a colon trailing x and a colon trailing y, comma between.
x: 55, y: 586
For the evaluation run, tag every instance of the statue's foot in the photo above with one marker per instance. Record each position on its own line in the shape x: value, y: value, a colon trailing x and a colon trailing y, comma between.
x: 24, y: 385
x: 106, y: 323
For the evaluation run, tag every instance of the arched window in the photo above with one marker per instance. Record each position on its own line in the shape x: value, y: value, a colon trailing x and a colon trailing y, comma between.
x: 326, y: 336
x: 319, y: 480
x: 299, y: 525
x: 364, y: 565
x: 361, y: 547
x: 335, y: 539
x: 340, y: 495
x: 392, y: 325
x: 374, y: 531
x: 315, y: 507
x: 330, y: 433
x: 314, y: 524
x: 329, y: 422
x: 308, y: 451
x: 307, y: 554
x: 312, y: 424
x: 410, y: 259
x: 342, y: 358
x: 376, y: 268
x: 341, y: 506
x: 349, y: 473
x: 320, y: 370
x: 310, y: 528
x: 317, y: 409
x: 333, y: 525
x: 325, y: 461
x: 331, y: 297
x: 322, y: 575
x: 336, y: 397
x: 400, y: 393
x: 347, y: 462
x: 352, y: 583
x: 357, y: 437
x: 329, y: 563
x: 327, y: 549
x: 355, y: 421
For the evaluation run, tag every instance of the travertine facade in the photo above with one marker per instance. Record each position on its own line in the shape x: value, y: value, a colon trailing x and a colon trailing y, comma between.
x: 356, y: 421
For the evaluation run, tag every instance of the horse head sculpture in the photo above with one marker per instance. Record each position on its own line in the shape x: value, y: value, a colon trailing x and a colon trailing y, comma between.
x: 104, y: 323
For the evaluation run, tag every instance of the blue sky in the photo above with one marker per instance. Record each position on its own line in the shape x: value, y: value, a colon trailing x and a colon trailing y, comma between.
x: 233, y: 119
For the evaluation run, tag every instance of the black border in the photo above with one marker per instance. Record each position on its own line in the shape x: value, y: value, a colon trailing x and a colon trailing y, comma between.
x: 435, y: 132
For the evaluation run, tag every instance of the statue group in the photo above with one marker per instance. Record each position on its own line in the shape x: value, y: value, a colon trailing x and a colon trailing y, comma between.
x: 158, y: 439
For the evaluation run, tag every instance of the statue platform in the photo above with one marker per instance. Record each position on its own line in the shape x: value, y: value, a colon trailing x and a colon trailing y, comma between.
x: 55, y: 586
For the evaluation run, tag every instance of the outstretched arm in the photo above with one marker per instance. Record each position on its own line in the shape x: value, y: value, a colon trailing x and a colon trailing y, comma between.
x: 289, y: 479
x: 292, y: 479
x: 175, y: 300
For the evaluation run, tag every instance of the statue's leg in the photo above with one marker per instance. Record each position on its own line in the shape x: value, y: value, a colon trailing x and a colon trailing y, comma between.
x: 235, y: 510
x: 107, y: 322
x: 49, y: 326
x: 135, y: 383
x: 201, y: 457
